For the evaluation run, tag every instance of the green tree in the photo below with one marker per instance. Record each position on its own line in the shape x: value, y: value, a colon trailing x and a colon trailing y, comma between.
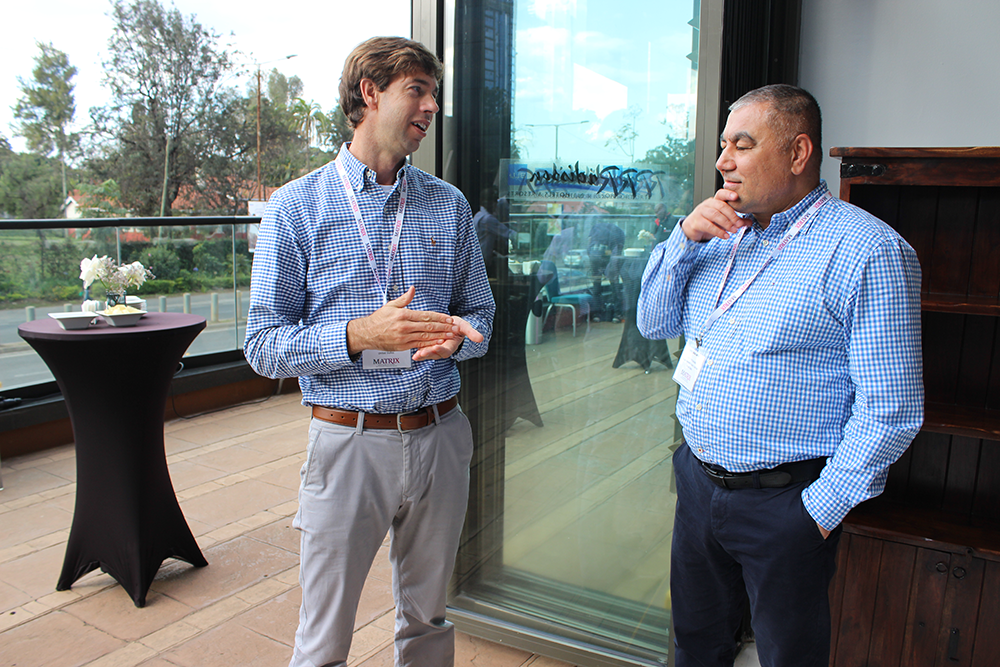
x: 334, y: 130
x: 281, y: 90
x: 163, y: 74
x: 306, y: 118
x: 30, y: 186
x: 101, y: 200
x: 47, y: 107
x: 677, y: 155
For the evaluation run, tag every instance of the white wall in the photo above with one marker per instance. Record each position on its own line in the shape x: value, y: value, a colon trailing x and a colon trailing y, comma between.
x: 891, y: 73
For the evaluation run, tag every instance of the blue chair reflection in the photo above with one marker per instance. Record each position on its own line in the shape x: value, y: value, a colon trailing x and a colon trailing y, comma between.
x: 552, y: 296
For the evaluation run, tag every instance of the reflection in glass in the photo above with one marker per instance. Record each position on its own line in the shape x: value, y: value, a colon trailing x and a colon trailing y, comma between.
x: 576, y: 148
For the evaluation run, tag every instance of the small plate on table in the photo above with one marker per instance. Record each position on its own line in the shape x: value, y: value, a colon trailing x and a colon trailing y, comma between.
x: 121, y: 319
x: 73, y: 321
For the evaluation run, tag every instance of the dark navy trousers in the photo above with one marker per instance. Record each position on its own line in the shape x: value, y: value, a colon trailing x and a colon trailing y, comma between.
x: 762, y: 541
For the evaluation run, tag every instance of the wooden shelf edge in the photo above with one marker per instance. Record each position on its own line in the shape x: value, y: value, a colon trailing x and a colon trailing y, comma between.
x: 930, y: 529
x: 960, y: 420
x: 960, y: 305
x: 985, y: 152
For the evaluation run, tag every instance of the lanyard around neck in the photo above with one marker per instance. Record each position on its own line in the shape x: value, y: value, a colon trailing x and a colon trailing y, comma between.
x: 796, y: 227
x: 366, y: 241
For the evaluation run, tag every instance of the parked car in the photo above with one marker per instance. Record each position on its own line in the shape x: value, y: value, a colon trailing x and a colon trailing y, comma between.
x: 576, y: 259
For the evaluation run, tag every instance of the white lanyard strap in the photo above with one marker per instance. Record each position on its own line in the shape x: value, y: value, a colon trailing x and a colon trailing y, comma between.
x: 796, y: 227
x: 366, y: 241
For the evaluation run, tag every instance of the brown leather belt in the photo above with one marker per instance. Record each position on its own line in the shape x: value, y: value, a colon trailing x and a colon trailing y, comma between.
x: 408, y: 421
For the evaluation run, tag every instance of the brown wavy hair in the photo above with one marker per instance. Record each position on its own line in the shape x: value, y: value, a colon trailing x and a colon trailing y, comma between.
x: 382, y: 59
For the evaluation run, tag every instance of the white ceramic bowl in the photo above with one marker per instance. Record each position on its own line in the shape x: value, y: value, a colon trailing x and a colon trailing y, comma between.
x: 73, y: 321
x: 135, y: 302
x: 123, y: 319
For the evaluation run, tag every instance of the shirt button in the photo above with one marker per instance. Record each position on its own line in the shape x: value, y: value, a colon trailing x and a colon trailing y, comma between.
x: 766, y: 243
x: 701, y: 451
x: 711, y: 361
x: 698, y: 407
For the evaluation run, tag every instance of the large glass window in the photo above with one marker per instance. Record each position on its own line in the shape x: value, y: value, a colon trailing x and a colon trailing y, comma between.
x: 570, y: 128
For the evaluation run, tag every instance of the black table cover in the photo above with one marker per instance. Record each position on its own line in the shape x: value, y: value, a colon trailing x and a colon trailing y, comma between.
x: 633, y: 346
x: 115, y: 383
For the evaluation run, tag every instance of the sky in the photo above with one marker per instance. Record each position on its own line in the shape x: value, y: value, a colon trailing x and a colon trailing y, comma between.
x: 591, y: 68
x: 582, y: 64
x: 320, y: 38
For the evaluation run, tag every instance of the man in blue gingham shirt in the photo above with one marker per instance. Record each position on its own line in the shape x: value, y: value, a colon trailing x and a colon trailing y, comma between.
x: 368, y: 285
x: 795, y: 397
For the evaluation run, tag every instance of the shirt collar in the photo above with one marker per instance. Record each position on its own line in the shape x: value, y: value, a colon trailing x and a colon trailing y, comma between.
x: 358, y: 173
x: 780, y: 222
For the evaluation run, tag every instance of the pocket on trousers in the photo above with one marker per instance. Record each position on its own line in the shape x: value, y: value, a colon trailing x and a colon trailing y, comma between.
x: 810, y: 526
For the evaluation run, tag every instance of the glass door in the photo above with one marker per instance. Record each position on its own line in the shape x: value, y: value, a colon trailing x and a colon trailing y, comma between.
x: 569, y: 126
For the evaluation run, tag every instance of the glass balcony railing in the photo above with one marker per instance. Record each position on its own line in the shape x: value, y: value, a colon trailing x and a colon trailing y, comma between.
x: 201, y: 266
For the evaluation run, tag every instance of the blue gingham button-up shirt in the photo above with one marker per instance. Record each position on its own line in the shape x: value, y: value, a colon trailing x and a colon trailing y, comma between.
x: 311, y: 276
x: 820, y: 357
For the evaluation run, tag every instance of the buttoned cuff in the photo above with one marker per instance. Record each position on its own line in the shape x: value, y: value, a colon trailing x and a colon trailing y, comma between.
x: 824, y: 504
x: 333, y: 345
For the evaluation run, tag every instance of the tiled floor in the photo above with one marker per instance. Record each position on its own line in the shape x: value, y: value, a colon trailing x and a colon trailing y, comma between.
x: 236, y: 474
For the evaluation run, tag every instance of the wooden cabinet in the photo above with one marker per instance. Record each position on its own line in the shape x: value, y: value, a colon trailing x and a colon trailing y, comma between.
x: 918, y: 580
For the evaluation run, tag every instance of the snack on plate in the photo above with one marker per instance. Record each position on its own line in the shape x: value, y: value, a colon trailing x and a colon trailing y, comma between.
x: 121, y: 310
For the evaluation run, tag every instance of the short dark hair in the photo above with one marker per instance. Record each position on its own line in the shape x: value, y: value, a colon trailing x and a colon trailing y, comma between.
x: 792, y: 111
x: 382, y: 59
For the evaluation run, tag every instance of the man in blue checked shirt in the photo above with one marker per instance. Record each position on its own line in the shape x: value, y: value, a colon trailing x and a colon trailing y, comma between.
x: 368, y: 285
x: 801, y: 382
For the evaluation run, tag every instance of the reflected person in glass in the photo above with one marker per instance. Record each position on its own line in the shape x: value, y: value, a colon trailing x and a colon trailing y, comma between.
x: 368, y: 285
x: 801, y: 382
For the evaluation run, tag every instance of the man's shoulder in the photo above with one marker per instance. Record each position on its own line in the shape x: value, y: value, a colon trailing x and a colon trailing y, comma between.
x: 307, y: 196
x: 433, y: 186
x: 854, y: 222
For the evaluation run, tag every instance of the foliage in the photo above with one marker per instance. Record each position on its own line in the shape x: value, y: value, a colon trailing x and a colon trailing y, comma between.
x: 306, y: 120
x: 162, y: 260
x: 163, y: 74
x: 334, y: 130
x: 677, y: 155
x: 281, y: 90
x: 47, y: 107
x: 30, y: 186
x: 101, y: 200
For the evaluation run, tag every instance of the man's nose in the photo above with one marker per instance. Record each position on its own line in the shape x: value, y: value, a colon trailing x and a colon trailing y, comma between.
x: 725, y: 161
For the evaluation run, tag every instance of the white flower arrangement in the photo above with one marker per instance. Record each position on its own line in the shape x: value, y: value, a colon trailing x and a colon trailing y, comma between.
x: 115, y: 278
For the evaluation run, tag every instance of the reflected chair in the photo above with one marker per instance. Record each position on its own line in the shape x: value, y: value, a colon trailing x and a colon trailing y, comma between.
x: 552, y: 297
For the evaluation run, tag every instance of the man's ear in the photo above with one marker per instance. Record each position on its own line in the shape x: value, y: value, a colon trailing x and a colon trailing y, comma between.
x: 369, y: 93
x: 802, y: 150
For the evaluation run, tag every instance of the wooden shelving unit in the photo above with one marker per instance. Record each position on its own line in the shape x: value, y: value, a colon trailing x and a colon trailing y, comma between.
x: 918, y: 579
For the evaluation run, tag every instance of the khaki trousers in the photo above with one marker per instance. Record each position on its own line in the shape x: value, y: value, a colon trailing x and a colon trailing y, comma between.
x: 356, y: 486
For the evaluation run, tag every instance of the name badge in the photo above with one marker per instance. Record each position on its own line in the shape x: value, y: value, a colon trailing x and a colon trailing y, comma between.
x: 380, y: 360
x: 689, y: 366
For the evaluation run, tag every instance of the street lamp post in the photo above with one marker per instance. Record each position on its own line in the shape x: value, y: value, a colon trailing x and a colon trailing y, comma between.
x: 557, y: 126
x: 260, y: 187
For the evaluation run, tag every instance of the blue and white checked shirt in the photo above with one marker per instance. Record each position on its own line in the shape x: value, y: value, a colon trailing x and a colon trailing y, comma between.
x: 311, y: 276
x: 820, y: 357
